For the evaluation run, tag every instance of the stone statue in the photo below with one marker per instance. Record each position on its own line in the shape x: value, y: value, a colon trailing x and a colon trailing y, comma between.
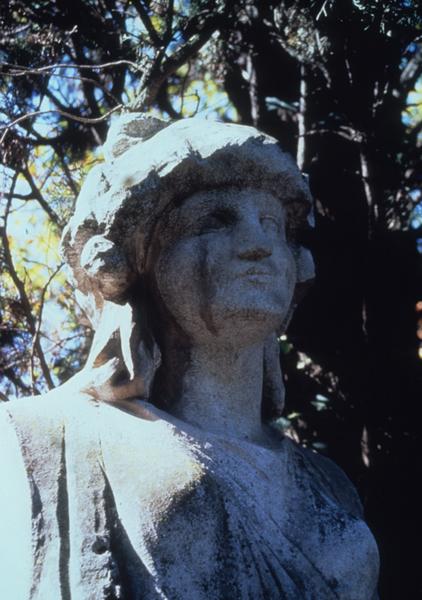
x: 154, y: 472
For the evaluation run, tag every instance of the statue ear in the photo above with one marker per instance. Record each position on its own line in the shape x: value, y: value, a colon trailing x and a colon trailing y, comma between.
x: 273, y: 393
x: 305, y: 267
x: 273, y: 385
x: 305, y: 275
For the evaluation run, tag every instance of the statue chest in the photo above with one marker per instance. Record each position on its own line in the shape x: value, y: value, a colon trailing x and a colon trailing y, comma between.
x: 225, y: 519
x: 128, y: 508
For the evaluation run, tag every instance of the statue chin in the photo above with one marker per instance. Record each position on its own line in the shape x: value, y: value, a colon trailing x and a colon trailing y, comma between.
x: 243, y: 325
x: 251, y: 313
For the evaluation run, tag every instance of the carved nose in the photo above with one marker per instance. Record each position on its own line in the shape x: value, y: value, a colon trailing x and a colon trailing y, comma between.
x: 251, y: 240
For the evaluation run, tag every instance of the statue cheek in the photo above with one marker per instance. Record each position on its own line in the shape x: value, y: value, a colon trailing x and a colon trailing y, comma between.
x: 178, y: 276
x: 291, y: 275
x: 287, y: 265
x: 190, y: 275
x: 192, y: 267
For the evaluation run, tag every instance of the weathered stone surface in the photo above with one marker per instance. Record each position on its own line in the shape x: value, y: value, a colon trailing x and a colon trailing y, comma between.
x: 154, y: 473
x: 154, y: 508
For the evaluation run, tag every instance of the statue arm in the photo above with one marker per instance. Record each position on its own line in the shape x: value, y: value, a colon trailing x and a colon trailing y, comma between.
x: 15, y: 515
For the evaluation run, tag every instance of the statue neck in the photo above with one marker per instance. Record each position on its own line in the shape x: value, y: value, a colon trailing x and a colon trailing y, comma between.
x: 222, y: 391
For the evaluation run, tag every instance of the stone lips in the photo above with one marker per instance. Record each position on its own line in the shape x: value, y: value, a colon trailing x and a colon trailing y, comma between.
x: 149, y: 166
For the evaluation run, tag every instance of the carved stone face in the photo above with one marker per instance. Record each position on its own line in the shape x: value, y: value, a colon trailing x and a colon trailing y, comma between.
x: 223, y: 268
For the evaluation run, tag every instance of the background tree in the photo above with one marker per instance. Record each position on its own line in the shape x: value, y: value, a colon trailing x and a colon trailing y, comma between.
x: 337, y: 83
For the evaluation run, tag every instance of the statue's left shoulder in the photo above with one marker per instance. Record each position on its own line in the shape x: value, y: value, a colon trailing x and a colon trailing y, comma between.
x: 326, y: 475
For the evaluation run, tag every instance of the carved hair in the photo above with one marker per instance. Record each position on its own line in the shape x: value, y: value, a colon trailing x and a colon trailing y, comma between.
x: 150, y: 166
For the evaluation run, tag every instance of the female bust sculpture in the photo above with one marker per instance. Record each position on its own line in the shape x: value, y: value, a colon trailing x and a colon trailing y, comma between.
x: 154, y: 472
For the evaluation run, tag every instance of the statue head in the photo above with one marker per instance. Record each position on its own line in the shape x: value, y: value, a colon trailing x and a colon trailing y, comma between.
x: 188, y: 233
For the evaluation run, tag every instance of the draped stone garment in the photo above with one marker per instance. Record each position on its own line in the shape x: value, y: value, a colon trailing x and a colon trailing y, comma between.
x: 98, y: 503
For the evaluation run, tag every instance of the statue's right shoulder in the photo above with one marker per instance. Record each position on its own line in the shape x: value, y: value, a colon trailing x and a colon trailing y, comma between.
x: 31, y: 408
x: 32, y: 463
x: 38, y: 422
x: 34, y: 416
x: 15, y: 513
x: 30, y: 433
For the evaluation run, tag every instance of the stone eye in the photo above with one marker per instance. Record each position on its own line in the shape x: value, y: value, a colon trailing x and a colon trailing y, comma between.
x: 270, y: 223
x: 217, y: 219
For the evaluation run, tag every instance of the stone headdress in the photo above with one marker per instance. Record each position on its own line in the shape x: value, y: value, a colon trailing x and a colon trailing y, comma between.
x: 150, y: 165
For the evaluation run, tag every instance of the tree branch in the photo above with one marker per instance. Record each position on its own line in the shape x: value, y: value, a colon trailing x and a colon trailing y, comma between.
x: 22, y: 70
x: 36, y: 336
x: 412, y: 71
x: 24, y: 197
x: 67, y: 172
x: 63, y: 113
x: 40, y: 198
x: 90, y: 80
x: 169, y: 22
x: 152, y: 81
x: 17, y: 382
x: 143, y: 13
x: 253, y: 89
x: 26, y: 305
x: 372, y: 205
x: 164, y: 103
x: 301, y: 119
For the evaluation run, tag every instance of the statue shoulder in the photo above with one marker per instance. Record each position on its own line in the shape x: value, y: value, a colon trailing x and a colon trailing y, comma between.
x: 15, y: 512
x: 38, y: 422
x: 30, y: 409
x: 38, y: 436
x: 36, y: 413
x: 325, y: 474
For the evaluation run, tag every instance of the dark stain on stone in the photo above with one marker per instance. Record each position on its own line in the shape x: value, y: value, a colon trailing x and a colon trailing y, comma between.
x: 62, y: 512
x: 207, y: 291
